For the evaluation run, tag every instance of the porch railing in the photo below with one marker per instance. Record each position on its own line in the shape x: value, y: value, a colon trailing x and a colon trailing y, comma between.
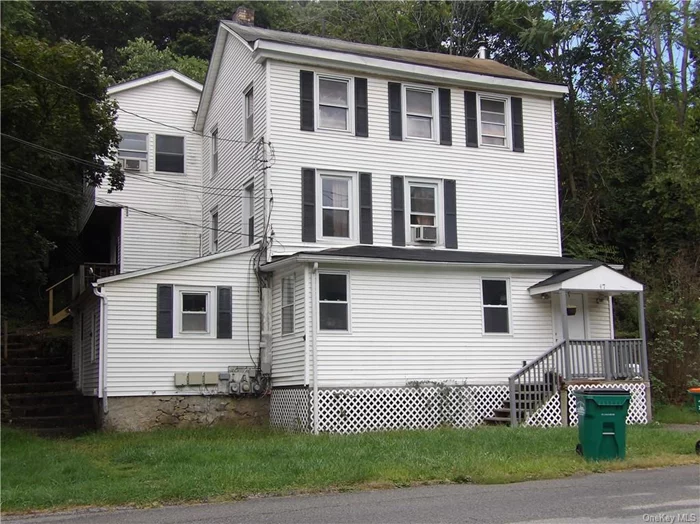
x: 90, y: 272
x: 533, y: 385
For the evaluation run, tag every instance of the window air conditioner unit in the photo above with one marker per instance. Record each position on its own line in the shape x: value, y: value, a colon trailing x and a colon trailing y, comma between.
x: 132, y: 164
x: 424, y: 234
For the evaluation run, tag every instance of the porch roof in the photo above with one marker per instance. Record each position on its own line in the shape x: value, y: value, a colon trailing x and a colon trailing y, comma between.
x: 595, y: 278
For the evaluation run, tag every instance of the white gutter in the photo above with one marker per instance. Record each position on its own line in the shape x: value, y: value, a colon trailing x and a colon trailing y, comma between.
x: 103, y: 347
x: 264, y: 49
x: 314, y: 346
x: 280, y: 264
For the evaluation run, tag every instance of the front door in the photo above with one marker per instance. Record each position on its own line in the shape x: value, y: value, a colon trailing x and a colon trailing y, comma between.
x: 575, y: 316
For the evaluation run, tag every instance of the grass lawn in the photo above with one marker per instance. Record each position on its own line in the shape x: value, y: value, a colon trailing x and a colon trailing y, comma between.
x: 684, y: 414
x: 172, y: 466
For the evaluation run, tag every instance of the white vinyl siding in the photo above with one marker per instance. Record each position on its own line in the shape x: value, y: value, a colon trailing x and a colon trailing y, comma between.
x: 506, y: 201
x: 289, y: 351
x: 239, y: 161
x: 141, y: 364
x: 86, y: 343
x: 412, y: 324
x: 150, y: 240
x: 598, y: 316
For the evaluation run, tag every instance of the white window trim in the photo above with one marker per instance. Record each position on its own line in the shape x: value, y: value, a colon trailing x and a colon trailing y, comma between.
x: 293, y: 304
x: 439, y: 215
x: 246, y: 92
x: 212, y: 232
x: 319, y: 302
x: 215, y: 151
x: 148, y: 149
x: 508, y: 307
x: 354, y: 198
x: 184, y: 154
x: 506, y: 108
x: 351, y: 102
x: 211, y: 308
x: 404, y: 116
x: 248, y: 211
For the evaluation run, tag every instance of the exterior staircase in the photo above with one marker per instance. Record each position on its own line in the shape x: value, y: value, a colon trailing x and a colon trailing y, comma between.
x: 528, y: 399
x: 38, y: 392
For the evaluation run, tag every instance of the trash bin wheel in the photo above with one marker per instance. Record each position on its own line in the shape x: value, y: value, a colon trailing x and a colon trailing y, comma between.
x: 579, y: 449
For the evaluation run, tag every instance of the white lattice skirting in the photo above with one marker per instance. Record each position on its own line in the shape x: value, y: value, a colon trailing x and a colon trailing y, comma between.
x: 549, y: 415
x: 355, y: 410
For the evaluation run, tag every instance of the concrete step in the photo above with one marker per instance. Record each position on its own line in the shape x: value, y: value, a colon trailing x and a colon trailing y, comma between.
x: 37, y: 388
x: 10, y: 377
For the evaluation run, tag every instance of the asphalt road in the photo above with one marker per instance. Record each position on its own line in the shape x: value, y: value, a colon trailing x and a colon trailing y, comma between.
x: 669, y: 495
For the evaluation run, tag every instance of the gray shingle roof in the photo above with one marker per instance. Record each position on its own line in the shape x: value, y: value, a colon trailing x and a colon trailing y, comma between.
x: 454, y: 63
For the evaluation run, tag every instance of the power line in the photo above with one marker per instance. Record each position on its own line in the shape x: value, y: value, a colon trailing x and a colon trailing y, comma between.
x: 68, y: 192
x: 224, y: 139
x: 170, y: 183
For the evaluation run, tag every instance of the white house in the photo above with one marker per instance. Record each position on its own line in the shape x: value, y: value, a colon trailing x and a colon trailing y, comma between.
x: 376, y: 245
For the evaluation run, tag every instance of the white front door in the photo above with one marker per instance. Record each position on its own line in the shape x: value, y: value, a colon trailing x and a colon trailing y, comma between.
x: 576, y: 318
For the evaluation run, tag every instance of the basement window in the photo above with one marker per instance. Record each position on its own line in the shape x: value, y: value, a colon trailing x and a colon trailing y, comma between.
x: 495, y: 301
x: 333, y: 303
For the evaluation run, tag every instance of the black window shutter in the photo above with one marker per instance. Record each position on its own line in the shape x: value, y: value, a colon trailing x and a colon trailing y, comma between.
x: 444, y: 96
x: 308, y: 205
x: 306, y: 90
x: 516, y: 117
x: 470, y: 118
x: 361, y: 116
x: 366, y: 234
x: 395, y: 126
x: 224, y: 321
x: 164, y: 311
x: 398, y: 220
x: 450, y: 214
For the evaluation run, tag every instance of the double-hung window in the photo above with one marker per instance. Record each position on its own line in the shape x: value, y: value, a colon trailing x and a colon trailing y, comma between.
x: 333, y: 303
x: 495, y: 303
x: 214, y: 152
x: 494, y: 128
x: 288, y: 305
x: 248, y: 215
x: 334, y: 103
x: 133, y: 151
x: 249, y: 109
x: 214, y: 237
x: 336, y: 205
x: 170, y: 154
x: 423, y: 212
x: 419, y: 112
x: 194, y: 307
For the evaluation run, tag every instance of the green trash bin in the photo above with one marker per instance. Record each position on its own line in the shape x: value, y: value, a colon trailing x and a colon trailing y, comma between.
x: 602, y: 431
x: 695, y: 393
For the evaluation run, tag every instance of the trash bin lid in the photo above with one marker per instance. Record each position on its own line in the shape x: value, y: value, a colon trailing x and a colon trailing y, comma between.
x: 611, y: 391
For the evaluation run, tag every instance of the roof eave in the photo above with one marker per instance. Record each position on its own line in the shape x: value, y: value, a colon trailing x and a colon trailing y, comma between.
x: 311, y: 258
x: 154, y: 78
x: 265, y: 49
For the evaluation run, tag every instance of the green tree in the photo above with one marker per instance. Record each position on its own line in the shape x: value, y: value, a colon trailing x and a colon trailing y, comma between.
x: 141, y: 57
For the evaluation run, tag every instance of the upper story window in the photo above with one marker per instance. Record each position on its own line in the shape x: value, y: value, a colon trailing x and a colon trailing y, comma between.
x: 248, y: 215
x: 214, y: 151
x: 336, y: 216
x: 249, y: 110
x: 423, y: 198
x: 194, y: 310
x: 419, y: 112
x: 495, y: 300
x: 334, y: 96
x: 214, y: 237
x: 170, y: 154
x: 493, y: 121
x: 133, y: 151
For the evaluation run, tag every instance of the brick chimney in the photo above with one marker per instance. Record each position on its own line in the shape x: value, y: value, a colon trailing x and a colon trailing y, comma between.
x: 244, y: 15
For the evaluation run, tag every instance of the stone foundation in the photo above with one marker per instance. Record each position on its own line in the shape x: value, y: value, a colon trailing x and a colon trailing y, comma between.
x: 145, y: 413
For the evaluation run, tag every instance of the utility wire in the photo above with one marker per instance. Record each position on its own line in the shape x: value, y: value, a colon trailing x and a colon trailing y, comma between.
x: 224, y: 139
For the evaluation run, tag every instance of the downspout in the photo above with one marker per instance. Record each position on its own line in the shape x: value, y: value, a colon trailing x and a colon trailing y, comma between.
x: 103, y: 345
x: 314, y: 348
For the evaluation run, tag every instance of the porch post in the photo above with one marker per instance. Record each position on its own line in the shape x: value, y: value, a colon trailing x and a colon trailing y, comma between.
x: 643, y: 336
x: 565, y: 334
